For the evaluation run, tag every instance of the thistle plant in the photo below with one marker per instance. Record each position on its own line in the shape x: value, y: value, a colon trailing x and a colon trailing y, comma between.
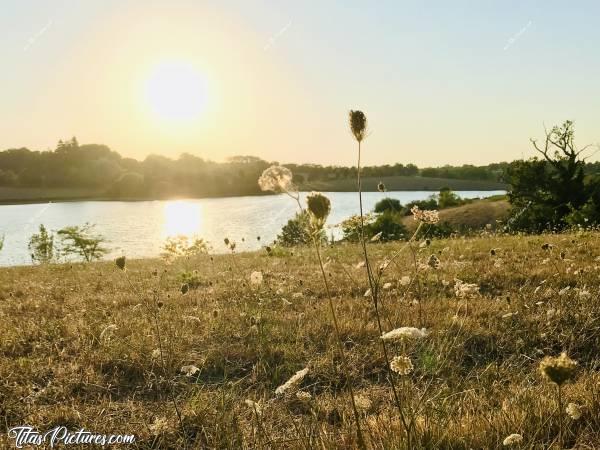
x: 279, y: 179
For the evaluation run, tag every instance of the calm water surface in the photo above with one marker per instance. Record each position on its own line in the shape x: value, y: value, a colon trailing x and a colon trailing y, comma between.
x: 138, y: 229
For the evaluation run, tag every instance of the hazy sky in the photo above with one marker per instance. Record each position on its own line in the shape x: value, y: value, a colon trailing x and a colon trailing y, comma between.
x: 441, y: 82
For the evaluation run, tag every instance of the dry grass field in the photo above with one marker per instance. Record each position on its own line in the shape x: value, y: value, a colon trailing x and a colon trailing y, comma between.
x: 90, y: 345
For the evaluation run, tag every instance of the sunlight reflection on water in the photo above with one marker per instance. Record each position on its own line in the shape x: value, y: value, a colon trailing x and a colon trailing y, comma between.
x: 139, y: 229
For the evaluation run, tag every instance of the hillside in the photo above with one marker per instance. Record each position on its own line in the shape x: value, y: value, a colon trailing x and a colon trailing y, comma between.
x: 476, y: 215
x: 108, y: 350
x: 402, y: 183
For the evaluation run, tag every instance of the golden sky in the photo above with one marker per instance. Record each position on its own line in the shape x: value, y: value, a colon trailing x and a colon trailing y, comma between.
x: 464, y: 84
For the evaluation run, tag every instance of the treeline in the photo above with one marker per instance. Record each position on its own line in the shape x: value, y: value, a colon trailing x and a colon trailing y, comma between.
x: 98, y: 168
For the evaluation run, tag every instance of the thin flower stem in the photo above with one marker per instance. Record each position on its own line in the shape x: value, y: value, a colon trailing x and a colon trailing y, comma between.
x: 361, y: 441
x: 155, y: 317
x: 374, y: 295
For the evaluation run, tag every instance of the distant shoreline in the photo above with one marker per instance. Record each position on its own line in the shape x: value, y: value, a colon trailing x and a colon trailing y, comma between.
x: 33, y: 201
x: 24, y: 196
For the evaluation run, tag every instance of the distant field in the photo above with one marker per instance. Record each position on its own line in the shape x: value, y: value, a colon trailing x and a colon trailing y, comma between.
x: 402, y: 183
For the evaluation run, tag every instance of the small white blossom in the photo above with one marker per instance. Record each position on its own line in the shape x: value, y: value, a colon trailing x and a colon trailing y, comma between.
x: 404, y: 332
x: 513, y: 439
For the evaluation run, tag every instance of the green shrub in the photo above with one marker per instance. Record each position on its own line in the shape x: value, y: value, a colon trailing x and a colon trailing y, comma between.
x: 183, y: 246
x: 297, y: 231
x: 41, y: 246
x: 430, y: 203
x: 79, y: 240
x: 388, y: 204
x: 438, y: 230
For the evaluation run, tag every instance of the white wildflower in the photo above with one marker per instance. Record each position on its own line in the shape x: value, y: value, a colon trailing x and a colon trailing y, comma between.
x: 401, y: 365
x: 425, y: 216
x: 513, y: 439
x: 276, y: 179
x: 574, y: 411
x: 292, y: 383
x: 256, y: 278
x: 404, y: 332
x: 405, y: 280
x: 465, y: 290
x: 190, y: 370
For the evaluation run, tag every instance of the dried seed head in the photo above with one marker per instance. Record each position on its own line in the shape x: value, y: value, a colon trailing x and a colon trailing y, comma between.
x: 559, y: 369
x: 358, y: 124
x: 319, y: 207
x: 401, y: 365
x: 120, y: 262
x: 276, y: 179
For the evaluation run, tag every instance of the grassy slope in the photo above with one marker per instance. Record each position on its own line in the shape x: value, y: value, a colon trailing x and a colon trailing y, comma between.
x: 474, y: 215
x: 476, y: 376
x: 402, y: 183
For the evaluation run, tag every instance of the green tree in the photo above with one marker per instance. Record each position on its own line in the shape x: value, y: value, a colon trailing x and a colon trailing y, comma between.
x: 390, y: 226
x: 546, y: 193
x: 447, y: 199
x: 297, y: 231
x: 388, y: 204
x: 41, y: 246
x: 80, y: 240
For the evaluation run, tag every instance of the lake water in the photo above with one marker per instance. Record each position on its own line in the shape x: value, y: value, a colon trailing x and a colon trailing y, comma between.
x: 138, y: 229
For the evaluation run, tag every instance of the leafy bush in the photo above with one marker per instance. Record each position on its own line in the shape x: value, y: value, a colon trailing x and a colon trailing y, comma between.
x: 553, y: 193
x: 192, y: 279
x: 448, y: 199
x: 438, y: 230
x: 79, y: 240
x: 389, y: 224
x: 388, y: 204
x: 183, y: 246
x: 41, y: 246
x: 429, y: 203
x: 351, y: 227
x: 297, y: 231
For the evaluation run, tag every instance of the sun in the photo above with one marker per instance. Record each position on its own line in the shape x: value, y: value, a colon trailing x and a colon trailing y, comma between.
x: 176, y: 91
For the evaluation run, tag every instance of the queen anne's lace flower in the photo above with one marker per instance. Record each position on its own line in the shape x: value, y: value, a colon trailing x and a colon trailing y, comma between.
x: 558, y: 370
x: 426, y: 216
x: 512, y: 439
x: 276, y: 179
x: 292, y: 383
x: 256, y: 278
x: 574, y: 411
x: 401, y: 365
x: 404, y: 332
x: 465, y: 290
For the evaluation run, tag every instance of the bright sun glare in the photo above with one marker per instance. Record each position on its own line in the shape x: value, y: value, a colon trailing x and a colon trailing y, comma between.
x: 176, y: 92
x: 182, y: 218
